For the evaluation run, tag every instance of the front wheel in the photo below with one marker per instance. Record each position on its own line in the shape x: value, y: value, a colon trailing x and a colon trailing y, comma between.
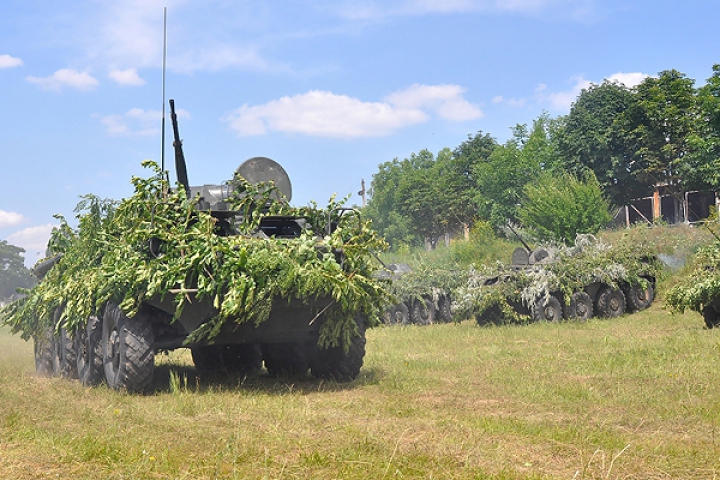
x: 127, y: 350
x: 336, y: 363
x: 639, y: 298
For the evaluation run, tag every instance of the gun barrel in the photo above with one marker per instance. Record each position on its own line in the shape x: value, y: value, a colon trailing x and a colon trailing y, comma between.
x: 180, y: 165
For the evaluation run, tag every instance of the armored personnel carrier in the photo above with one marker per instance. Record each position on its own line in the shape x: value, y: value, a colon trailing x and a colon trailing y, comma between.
x: 424, y: 295
x: 230, y: 271
x: 579, y: 282
x: 698, y: 286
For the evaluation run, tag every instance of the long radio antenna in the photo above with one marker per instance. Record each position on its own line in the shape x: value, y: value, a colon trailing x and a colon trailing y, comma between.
x: 164, y: 61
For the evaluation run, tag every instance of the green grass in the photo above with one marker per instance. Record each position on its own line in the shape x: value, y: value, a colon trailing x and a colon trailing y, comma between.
x: 634, y: 397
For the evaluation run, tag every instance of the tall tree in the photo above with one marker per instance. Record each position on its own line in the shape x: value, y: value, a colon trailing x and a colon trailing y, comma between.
x: 589, y: 140
x: 459, y: 179
x: 383, y: 209
x: 658, y: 128
x: 13, y: 274
x: 502, y: 176
x: 701, y: 169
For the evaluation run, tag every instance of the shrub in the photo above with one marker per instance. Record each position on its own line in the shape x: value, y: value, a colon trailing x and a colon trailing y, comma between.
x: 561, y: 207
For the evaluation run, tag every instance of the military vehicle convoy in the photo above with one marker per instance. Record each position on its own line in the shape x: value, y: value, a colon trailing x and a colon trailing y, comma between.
x: 579, y: 282
x: 230, y: 271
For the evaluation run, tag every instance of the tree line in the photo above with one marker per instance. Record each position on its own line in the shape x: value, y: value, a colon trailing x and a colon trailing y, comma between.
x: 561, y: 175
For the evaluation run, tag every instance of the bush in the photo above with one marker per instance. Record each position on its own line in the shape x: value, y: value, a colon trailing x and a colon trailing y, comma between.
x: 560, y: 207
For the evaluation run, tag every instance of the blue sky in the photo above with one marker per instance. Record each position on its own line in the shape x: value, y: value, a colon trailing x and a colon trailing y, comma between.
x: 329, y: 89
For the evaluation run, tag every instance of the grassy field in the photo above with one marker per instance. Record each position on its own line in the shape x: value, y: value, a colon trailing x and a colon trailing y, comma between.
x: 634, y: 397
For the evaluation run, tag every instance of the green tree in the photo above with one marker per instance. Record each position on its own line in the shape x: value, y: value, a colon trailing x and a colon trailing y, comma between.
x: 701, y: 168
x: 558, y: 207
x: 459, y: 179
x: 658, y: 128
x: 502, y: 176
x: 590, y: 139
x: 420, y: 199
x: 383, y: 209
x: 13, y: 274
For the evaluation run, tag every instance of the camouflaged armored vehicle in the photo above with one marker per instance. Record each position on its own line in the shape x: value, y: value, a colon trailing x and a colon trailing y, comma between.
x: 579, y: 282
x: 230, y: 271
x: 423, y: 294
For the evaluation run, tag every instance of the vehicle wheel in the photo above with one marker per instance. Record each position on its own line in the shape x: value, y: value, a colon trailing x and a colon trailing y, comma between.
x: 208, y: 359
x: 245, y: 359
x: 444, y: 310
x: 711, y: 316
x: 127, y: 350
x: 422, y: 312
x: 639, y: 298
x: 88, y: 345
x: 580, y: 308
x: 398, y: 314
x: 550, y: 310
x: 284, y: 359
x: 491, y: 315
x: 335, y: 363
x: 610, y: 302
x: 47, y: 360
x: 67, y: 354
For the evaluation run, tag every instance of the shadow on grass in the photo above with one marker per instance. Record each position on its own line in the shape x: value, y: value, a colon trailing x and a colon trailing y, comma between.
x: 170, y: 378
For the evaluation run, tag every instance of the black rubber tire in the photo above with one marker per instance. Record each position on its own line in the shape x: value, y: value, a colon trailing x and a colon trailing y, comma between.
x: 285, y: 359
x: 422, y: 312
x: 444, y: 313
x: 67, y: 354
x: 491, y: 316
x: 208, y: 359
x: 47, y: 360
x: 127, y: 351
x: 639, y: 298
x: 547, y: 310
x: 245, y: 359
x: 398, y: 315
x: 88, y: 345
x: 610, y: 302
x: 711, y: 317
x: 335, y: 363
x: 580, y: 308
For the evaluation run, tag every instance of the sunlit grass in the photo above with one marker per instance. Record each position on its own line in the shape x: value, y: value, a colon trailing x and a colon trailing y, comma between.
x: 630, y: 397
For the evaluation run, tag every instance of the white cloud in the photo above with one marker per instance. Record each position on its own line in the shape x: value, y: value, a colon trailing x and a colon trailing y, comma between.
x: 65, y: 77
x: 9, y: 219
x: 6, y: 61
x: 129, y: 35
x: 513, y: 102
x: 561, y: 101
x: 34, y: 240
x: 136, y: 122
x: 630, y: 80
x: 446, y: 100
x: 126, y: 77
x: 325, y: 114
